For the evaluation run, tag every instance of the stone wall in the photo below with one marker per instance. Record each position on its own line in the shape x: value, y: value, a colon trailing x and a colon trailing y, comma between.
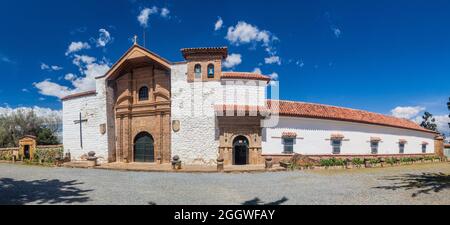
x: 92, y: 108
x: 7, y: 153
x: 196, y: 142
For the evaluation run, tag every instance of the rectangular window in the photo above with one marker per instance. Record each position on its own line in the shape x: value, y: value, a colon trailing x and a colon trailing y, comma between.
x: 374, y: 147
x: 336, y: 146
x: 424, y: 148
x: 402, y: 148
x: 288, y: 145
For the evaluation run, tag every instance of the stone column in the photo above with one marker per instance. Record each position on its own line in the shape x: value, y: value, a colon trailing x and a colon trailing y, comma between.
x: 439, y: 146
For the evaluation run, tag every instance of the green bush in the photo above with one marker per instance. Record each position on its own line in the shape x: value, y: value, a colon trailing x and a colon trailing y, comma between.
x: 332, y: 162
x: 392, y: 161
x: 374, y: 161
x: 48, y: 155
x: 6, y: 155
x: 357, y: 161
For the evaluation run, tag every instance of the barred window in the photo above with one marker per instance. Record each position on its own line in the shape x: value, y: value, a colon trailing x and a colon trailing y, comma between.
x: 198, y: 71
x: 210, y: 71
x: 143, y: 94
x: 401, y: 148
x: 288, y: 145
x: 336, y: 146
x: 374, y: 147
x: 424, y: 148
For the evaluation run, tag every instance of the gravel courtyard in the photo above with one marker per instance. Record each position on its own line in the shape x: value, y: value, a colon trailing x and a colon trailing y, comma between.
x: 418, y: 184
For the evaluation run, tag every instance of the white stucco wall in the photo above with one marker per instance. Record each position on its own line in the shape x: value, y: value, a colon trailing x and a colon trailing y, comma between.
x: 193, y: 106
x: 314, y: 132
x: 92, y: 108
x: 242, y: 92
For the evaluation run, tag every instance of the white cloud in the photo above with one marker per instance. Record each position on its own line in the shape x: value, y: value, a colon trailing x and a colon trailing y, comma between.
x: 300, y: 63
x: 145, y: 15
x: 50, y: 68
x: 70, y: 77
x: 76, y: 47
x: 25, y: 90
x: 89, y: 68
x: 408, y: 112
x: 6, y: 59
x: 104, y: 38
x: 40, y: 112
x: 232, y: 60
x: 165, y: 12
x: 219, y: 24
x: 257, y: 70
x: 274, y: 76
x: 274, y: 79
x: 273, y: 60
x: 442, y: 122
x: 49, y: 88
x: 244, y: 33
x: 336, y: 31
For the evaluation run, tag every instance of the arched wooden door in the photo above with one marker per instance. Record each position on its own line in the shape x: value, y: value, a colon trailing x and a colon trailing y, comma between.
x: 144, y: 148
x: 240, y: 151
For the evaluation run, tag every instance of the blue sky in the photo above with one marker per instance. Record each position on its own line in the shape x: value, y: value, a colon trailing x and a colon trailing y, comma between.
x: 371, y: 55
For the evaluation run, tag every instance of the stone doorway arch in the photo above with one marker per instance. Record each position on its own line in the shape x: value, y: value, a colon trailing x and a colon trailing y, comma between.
x: 144, y: 148
x: 240, y: 150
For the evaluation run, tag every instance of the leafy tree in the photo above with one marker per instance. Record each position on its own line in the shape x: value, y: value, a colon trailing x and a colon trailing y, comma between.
x: 18, y: 123
x: 429, y: 122
x: 45, y: 136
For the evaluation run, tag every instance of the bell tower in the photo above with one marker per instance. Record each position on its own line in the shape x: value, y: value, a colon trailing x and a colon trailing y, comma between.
x: 204, y: 64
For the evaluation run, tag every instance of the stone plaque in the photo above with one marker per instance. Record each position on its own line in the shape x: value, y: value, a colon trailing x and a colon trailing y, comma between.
x: 176, y: 125
x: 102, y: 128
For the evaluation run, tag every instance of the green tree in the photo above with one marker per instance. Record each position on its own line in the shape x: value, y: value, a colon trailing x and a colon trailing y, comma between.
x: 45, y: 136
x: 429, y: 122
x: 18, y: 123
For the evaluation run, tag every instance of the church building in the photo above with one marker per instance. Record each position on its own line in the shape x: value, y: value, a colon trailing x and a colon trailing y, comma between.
x: 148, y: 109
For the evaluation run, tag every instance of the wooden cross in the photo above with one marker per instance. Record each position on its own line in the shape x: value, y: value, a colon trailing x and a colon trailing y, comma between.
x: 81, y: 121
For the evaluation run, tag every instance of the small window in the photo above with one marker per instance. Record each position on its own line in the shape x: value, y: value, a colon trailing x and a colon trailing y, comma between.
x: 198, y: 71
x: 210, y: 71
x: 336, y: 146
x: 424, y: 148
x: 374, y: 147
x: 143, y: 94
x: 401, y: 148
x: 288, y: 145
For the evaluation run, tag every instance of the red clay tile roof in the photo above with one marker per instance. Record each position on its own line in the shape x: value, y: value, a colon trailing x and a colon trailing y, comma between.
x: 289, y: 134
x: 223, y: 51
x: 247, y: 76
x: 375, y: 139
x: 337, y: 136
x: 78, y: 95
x: 309, y: 110
x: 446, y: 145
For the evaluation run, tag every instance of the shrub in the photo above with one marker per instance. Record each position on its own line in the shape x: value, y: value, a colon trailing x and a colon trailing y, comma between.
x: 392, y: 161
x: 357, y: 161
x: 374, y: 161
x: 332, y: 162
x: 48, y: 155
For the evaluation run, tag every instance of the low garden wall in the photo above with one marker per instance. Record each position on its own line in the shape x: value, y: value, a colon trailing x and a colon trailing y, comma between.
x: 44, y: 154
x: 352, y: 161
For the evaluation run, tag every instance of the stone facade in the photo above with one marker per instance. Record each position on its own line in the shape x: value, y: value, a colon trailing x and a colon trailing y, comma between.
x: 200, y: 119
x: 92, y: 108
x: 231, y: 128
x: 196, y: 142
x: 134, y: 115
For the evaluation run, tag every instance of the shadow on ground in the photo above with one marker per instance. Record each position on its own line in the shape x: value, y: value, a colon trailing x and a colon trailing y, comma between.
x: 424, y: 183
x: 257, y: 201
x: 19, y: 192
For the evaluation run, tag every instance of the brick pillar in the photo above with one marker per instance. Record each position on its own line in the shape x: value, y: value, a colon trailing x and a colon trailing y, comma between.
x: 439, y: 146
